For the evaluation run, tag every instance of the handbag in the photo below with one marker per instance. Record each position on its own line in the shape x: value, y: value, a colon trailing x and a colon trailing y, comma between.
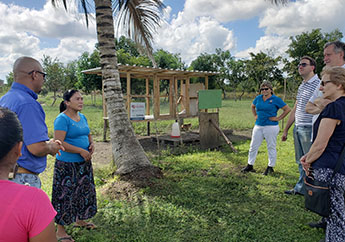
x: 317, y: 197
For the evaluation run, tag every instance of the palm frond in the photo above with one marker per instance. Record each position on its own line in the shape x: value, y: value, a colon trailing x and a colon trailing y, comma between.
x: 82, y: 3
x: 140, y: 19
x: 277, y: 2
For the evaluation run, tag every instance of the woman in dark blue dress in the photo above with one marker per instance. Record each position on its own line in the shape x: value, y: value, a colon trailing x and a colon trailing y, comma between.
x: 329, y: 139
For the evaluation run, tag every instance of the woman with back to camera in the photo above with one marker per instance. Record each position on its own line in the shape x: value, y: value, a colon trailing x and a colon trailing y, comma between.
x: 74, y: 194
x: 264, y: 109
x: 26, y: 213
x: 329, y: 139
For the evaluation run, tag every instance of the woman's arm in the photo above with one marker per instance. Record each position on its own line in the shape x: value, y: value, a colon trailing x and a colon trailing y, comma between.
x: 60, y: 135
x: 324, y: 133
x: 47, y: 235
x: 286, y: 110
x: 91, y: 146
x: 254, y: 111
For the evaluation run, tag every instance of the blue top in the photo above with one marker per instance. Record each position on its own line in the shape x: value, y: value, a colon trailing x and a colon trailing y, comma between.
x: 77, y: 134
x: 267, y: 109
x: 329, y: 158
x: 22, y: 100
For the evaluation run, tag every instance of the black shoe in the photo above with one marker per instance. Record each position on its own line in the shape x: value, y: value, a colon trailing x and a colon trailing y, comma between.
x: 268, y: 170
x: 293, y: 192
x: 319, y: 225
x: 248, y: 168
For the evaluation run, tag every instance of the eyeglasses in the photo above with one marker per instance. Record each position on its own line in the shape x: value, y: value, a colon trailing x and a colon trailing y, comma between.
x: 303, y: 64
x: 324, y: 83
x: 264, y: 89
x: 43, y: 74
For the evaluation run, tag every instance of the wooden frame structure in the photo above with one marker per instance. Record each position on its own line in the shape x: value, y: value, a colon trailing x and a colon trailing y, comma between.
x: 157, y: 75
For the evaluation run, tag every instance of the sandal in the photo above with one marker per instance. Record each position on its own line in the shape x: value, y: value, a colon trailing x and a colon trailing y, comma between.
x: 67, y: 238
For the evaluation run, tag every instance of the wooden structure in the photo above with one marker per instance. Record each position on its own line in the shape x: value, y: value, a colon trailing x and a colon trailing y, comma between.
x: 209, y: 122
x: 181, y: 91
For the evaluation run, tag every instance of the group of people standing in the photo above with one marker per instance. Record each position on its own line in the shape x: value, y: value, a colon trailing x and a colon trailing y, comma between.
x: 318, y: 116
x: 26, y: 212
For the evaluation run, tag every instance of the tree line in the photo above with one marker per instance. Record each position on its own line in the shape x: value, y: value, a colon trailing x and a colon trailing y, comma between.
x: 238, y: 76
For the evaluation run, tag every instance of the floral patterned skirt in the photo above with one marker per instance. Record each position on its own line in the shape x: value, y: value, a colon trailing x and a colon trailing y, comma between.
x: 335, y: 230
x: 74, y: 193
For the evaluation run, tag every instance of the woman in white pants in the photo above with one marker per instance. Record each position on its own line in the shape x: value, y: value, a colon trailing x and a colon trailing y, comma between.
x: 264, y: 109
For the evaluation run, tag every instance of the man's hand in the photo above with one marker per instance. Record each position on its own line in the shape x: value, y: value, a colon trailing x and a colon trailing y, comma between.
x: 55, y: 146
x: 284, y: 136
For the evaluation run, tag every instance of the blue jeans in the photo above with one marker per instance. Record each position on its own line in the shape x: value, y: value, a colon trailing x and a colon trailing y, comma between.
x: 27, y: 179
x: 302, y: 141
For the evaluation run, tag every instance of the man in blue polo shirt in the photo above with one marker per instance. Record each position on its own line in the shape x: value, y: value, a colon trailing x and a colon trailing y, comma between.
x: 22, y: 99
x: 302, y: 120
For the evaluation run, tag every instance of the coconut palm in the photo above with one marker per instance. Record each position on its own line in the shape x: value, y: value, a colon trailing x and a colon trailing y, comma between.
x: 139, y: 18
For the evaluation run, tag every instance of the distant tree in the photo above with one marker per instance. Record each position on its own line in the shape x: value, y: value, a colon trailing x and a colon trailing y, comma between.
x: 237, y: 77
x: 307, y: 43
x: 9, y: 79
x: 262, y: 67
x: 128, y: 46
x: 88, y: 83
x: 71, y: 76
x: 55, y: 75
x: 204, y: 62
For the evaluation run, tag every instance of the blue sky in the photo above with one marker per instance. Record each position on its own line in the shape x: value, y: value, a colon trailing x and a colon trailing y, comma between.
x: 190, y: 27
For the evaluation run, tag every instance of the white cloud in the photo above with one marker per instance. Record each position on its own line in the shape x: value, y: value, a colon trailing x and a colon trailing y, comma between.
x: 225, y: 10
x: 22, y: 30
x: 273, y: 45
x: 191, y: 37
x: 302, y: 16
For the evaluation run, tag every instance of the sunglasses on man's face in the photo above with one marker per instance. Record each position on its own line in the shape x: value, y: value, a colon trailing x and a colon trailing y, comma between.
x: 42, y: 73
x: 303, y: 64
x: 264, y: 89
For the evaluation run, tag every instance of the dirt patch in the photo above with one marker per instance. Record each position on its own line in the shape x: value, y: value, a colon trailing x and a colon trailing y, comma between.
x: 103, y: 153
x: 128, y: 186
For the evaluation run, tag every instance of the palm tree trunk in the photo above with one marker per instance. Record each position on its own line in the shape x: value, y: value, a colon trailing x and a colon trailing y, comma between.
x: 128, y: 153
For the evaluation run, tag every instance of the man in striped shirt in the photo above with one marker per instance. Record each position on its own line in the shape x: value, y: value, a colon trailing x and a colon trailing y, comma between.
x: 302, y: 120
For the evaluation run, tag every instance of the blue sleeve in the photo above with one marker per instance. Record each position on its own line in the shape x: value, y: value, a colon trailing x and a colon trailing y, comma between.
x: 61, y: 123
x: 32, y: 119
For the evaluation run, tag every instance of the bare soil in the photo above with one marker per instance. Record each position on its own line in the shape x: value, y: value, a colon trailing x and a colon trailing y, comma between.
x: 128, y: 185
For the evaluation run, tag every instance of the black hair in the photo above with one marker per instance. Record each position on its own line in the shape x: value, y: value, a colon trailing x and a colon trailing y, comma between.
x: 67, y: 97
x: 11, y: 131
x: 311, y: 61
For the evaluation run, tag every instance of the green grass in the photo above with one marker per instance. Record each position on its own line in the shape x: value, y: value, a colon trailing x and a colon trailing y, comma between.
x: 203, y: 196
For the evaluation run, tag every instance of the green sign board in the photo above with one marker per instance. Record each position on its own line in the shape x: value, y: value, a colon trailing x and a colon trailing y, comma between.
x: 210, y: 99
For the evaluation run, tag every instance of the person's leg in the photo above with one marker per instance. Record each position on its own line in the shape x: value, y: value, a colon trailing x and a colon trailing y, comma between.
x: 27, y: 179
x: 270, y: 134
x: 302, y: 136
x: 257, y: 138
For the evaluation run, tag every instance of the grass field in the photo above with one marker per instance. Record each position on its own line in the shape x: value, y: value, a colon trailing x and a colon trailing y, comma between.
x: 203, y: 196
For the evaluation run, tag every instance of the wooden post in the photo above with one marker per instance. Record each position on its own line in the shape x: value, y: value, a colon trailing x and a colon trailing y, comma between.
x: 172, y: 104
x: 206, y: 82
x: 147, y: 97
x: 129, y: 94
x: 156, y: 97
x: 187, y: 96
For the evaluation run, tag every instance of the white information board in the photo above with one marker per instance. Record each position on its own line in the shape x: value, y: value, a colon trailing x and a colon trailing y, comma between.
x: 137, y: 111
